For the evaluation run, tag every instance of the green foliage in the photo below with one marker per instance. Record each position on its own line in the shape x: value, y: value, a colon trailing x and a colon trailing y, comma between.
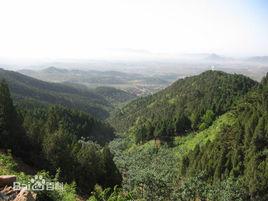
x: 182, y: 124
x: 185, y: 144
x: 10, y: 128
x: 57, y: 137
x: 8, y: 166
x: 240, y: 150
x: 68, y: 193
x: 148, y: 172
x: 142, y: 165
x: 151, y: 172
x: 109, y: 195
x: 197, y: 188
x: 62, y: 139
x: 207, y: 119
x: 215, y: 122
x: 30, y: 92
x: 113, y: 95
x: 188, y: 104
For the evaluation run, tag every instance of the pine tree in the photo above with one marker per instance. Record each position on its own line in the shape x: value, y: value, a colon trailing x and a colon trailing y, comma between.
x: 10, y: 127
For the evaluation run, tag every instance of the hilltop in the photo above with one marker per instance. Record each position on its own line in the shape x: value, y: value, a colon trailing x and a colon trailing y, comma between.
x: 184, y: 105
x: 223, y: 157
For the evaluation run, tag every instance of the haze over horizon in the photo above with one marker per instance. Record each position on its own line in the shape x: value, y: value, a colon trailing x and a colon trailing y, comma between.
x: 125, y: 29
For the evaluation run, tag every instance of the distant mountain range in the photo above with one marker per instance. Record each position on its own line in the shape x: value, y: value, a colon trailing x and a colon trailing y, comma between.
x: 222, y: 59
x: 90, y: 76
x: 263, y: 59
x: 133, y: 82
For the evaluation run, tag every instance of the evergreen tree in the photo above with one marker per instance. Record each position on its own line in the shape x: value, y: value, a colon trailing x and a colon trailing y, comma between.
x: 11, y: 132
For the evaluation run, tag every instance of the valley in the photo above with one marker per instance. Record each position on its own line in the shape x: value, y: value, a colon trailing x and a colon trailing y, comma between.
x: 134, y: 100
x: 202, y: 137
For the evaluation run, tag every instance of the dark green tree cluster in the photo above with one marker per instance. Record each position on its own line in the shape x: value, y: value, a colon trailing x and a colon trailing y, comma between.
x: 77, y: 123
x: 240, y: 151
x: 164, y: 130
x: 69, y: 140
x: 58, y: 138
x: 11, y: 132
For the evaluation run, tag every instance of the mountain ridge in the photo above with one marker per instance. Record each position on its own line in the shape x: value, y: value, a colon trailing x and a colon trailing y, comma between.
x: 192, y: 96
x: 25, y: 88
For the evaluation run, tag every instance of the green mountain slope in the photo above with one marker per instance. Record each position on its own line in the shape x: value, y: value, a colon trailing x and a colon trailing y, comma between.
x: 157, y: 168
x: 226, y: 161
x: 25, y: 90
x: 113, y: 95
x: 58, y: 138
x: 240, y: 150
x: 188, y: 104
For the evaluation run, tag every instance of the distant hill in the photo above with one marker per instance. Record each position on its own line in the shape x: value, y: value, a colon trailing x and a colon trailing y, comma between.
x: 132, y: 82
x: 112, y: 95
x: 259, y: 59
x: 25, y: 90
x: 217, y: 58
x: 187, y: 100
x: 54, y: 74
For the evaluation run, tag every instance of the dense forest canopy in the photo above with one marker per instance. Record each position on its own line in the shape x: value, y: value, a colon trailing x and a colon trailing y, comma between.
x: 58, y: 138
x: 188, y: 104
x: 204, y: 137
x: 239, y: 151
x: 225, y: 160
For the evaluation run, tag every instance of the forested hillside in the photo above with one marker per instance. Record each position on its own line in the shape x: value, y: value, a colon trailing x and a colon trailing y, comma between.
x: 31, y: 92
x: 240, y: 150
x: 227, y: 160
x: 203, y: 138
x: 115, y: 96
x: 188, y: 104
x: 26, y: 89
x: 56, y: 138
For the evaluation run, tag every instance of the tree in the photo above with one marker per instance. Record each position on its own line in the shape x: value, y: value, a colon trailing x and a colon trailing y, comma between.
x: 57, y: 148
x: 207, y: 119
x: 140, y: 134
x: 11, y: 132
x: 182, y: 124
x: 111, y: 176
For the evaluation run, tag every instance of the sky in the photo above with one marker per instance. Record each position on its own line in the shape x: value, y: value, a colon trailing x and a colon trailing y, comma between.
x: 83, y: 29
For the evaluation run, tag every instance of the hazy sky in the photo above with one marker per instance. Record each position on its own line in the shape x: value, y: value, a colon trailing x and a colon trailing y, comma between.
x: 105, y: 28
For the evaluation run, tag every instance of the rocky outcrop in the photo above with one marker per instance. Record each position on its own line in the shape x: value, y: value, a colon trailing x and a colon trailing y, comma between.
x: 7, y: 193
x: 25, y: 196
x: 7, y: 180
